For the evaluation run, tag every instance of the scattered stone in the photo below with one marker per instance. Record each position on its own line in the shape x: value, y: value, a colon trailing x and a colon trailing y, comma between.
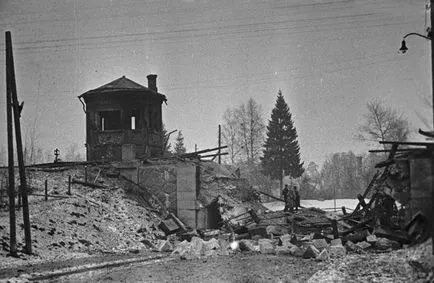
x: 182, y: 248
x: 169, y: 226
x: 336, y: 242
x: 307, y: 238
x: 284, y: 238
x: 311, y: 252
x: 294, y: 240
x: 148, y: 243
x: 247, y: 245
x: 320, y: 244
x: 282, y: 250
x: 209, y: 247
x: 257, y: 230
x: 266, y: 246
x: 317, y: 236
x: 337, y: 251
x: 385, y: 244
x: 371, y: 239
x: 351, y: 246
x: 164, y: 246
x: 358, y: 236
x: 277, y: 230
x: 196, y: 246
x: 224, y: 245
x: 323, y: 255
x: 363, y: 245
x: 296, y: 251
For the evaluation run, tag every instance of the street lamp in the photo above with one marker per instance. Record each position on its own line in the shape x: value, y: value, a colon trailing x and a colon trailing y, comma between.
x: 404, y: 48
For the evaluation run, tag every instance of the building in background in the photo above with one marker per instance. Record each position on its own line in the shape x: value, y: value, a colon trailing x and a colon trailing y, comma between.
x: 124, y: 120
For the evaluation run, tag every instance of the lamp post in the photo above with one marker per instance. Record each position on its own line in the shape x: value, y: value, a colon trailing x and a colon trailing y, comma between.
x: 404, y: 49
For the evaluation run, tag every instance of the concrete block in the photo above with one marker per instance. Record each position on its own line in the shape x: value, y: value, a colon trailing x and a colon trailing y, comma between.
x: 282, y: 250
x: 323, y: 255
x: 210, y: 248
x: 371, y: 239
x: 196, y: 246
x: 168, y: 226
x: 320, y: 244
x: 266, y: 246
x: 165, y: 246
x: 363, y: 245
x: 247, y: 245
x: 336, y: 242
x: 311, y: 252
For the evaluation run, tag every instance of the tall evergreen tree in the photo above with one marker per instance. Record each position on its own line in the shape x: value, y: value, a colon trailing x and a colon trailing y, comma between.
x: 281, y: 149
x: 179, y: 144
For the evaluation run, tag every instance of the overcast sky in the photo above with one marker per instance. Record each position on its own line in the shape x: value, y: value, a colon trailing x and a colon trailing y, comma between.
x: 329, y: 57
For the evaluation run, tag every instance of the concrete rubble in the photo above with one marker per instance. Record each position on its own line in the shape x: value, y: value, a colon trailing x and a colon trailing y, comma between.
x: 120, y: 217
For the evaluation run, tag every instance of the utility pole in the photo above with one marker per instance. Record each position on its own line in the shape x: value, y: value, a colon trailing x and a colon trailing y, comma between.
x: 19, y: 142
x: 220, y: 144
x: 11, y: 176
x: 432, y: 150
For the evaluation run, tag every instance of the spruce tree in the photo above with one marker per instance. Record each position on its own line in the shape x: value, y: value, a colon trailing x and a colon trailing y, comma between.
x: 281, y: 149
x: 179, y: 144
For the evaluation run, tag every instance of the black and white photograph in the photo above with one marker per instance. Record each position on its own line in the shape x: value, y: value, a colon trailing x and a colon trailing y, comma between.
x: 217, y: 141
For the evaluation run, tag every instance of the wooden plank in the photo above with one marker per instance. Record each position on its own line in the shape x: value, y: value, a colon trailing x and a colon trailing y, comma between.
x: 408, y: 143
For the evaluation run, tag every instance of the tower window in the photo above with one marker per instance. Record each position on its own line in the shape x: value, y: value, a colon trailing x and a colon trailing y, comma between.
x: 133, y: 122
x: 110, y: 120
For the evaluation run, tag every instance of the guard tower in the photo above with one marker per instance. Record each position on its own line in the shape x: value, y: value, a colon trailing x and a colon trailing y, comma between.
x: 123, y: 120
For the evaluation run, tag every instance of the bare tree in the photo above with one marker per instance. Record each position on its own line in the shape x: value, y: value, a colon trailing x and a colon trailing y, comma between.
x: 383, y: 123
x: 243, y: 132
x: 252, y: 129
x: 230, y: 130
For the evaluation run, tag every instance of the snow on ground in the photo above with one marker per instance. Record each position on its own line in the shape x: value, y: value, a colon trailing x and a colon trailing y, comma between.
x: 327, y: 205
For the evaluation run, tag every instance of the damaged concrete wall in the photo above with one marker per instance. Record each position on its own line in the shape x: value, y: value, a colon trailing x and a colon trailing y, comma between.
x: 186, y: 193
x: 160, y: 180
x: 421, y: 187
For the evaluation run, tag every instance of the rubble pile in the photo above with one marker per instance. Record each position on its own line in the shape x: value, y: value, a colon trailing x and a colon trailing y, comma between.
x: 234, y: 194
x: 105, y: 219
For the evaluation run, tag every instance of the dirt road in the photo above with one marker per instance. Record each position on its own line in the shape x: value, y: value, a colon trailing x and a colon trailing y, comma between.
x: 241, y: 267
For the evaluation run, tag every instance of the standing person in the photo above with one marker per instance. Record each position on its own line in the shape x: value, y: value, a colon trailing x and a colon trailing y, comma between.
x: 285, y: 194
x: 296, y: 198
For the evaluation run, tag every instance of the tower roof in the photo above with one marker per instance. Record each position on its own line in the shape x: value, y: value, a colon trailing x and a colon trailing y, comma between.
x: 123, y: 84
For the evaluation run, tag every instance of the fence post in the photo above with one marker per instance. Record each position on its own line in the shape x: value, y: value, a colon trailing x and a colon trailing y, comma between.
x: 69, y: 185
x: 46, y: 190
x: 1, y: 194
x: 85, y: 174
x: 335, y: 229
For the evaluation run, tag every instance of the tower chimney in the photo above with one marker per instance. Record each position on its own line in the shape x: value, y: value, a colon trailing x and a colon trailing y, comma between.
x: 152, y: 82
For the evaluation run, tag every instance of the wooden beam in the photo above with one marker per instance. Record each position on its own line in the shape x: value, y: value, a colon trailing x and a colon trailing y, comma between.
x: 213, y: 155
x: 428, y: 144
x: 398, y: 150
x: 202, y: 151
